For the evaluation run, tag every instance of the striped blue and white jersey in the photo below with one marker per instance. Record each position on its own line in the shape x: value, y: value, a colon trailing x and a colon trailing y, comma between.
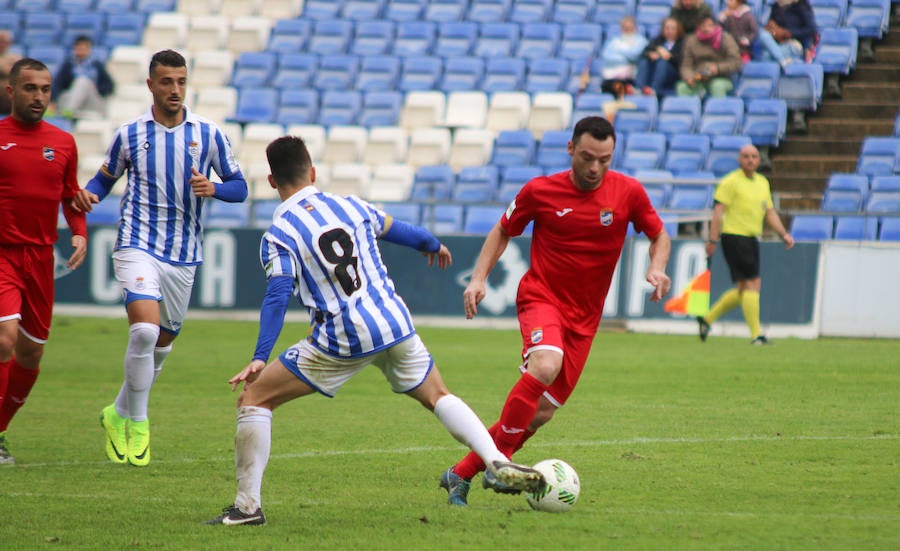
x: 327, y: 244
x: 160, y: 213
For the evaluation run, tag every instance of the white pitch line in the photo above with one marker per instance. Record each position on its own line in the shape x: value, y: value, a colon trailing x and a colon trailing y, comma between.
x: 429, y: 449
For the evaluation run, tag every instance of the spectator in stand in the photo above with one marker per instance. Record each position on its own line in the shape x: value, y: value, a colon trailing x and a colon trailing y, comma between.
x: 690, y: 13
x: 657, y: 70
x: 7, y: 60
x: 739, y: 21
x: 82, y: 82
x: 621, y: 54
x: 711, y: 60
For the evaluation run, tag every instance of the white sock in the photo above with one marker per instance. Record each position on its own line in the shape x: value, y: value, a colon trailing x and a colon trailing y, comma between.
x: 139, y: 368
x: 467, y: 428
x: 252, y: 443
x: 160, y: 353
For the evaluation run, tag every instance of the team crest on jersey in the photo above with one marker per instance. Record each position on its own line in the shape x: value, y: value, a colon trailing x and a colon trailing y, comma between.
x: 194, y: 149
x: 537, y: 335
x: 139, y: 283
x: 49, y: 153
x: 606, y: 216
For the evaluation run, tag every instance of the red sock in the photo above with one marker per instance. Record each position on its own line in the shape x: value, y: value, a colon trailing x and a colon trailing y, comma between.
x: 20, y: 382
x: 4, y: 377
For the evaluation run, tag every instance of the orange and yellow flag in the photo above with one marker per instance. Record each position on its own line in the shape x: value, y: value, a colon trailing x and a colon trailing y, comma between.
x: 693, y: 301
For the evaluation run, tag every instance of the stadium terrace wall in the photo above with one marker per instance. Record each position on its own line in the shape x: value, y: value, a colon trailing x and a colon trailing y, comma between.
x: 792, y: 297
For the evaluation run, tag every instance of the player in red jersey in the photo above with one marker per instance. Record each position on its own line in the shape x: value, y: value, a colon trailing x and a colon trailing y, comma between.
x: 580, y: 220
x: 38, y: 164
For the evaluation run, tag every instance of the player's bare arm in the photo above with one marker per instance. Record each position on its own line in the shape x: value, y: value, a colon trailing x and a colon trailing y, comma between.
x: 84, y: 201
x: 443, y: 257
x: 660, y: 249
x: 79, y: 244
x: 494, y: 245
x: 201, y: 185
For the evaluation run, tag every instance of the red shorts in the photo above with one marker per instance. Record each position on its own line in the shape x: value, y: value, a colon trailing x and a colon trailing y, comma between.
x: 543, y: 327
x: 26, y: 288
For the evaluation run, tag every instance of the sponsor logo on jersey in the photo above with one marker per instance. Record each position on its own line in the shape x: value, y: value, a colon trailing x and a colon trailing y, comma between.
x: 7, y: 146
x: 606, y: 217
x: 563, y: 212
x: 49, y: 153
x: 537, y: 335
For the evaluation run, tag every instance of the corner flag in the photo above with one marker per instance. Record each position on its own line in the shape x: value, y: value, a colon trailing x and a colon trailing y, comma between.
x: 694, y: 300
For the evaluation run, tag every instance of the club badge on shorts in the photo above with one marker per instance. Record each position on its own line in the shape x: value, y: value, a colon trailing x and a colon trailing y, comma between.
x: 49, y: 153
x: 537, y: 335
x: 606, y: 217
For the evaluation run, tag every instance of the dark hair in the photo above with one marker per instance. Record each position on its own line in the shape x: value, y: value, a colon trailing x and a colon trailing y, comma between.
x: 598, y: 127
x: 83, y: 38
x: 289, y: 159
x: 25, y: 63
x: 167, y: 58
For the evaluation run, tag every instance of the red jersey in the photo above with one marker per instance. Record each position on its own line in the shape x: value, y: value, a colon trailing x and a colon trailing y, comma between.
x: 577, y: 240
x: 38, y: 170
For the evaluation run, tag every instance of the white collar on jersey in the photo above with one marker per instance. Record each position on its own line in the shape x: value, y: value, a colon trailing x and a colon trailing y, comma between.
x: 296, y: 198
x: 189, y: 116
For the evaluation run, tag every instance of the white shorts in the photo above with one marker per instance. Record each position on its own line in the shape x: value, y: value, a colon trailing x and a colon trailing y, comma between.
x: 144, y: 277
x: 405, y: 365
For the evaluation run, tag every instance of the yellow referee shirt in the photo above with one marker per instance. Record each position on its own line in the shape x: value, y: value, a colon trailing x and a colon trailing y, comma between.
x: 746, y: 201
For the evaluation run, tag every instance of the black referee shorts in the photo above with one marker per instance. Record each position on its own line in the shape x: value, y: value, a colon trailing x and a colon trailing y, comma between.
x: 742, y: 255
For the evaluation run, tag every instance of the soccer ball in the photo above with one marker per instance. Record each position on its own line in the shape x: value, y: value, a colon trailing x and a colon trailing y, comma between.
x: 562, y: 488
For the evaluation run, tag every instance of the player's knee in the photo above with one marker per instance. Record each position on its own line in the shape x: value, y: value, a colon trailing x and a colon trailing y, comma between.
x: 144, y: 335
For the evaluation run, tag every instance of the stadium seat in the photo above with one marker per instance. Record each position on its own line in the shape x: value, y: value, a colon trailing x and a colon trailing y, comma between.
x: 462, y: 73
x: 504, y: 74
x: 114, y: 6
x: 11, y: 21
x: 67, y: 6
x: 330, y: 37
x: 443, y: 219
x: 428, y: 146
x: 217, y: 103
x: 248, y: 33
x: 336, y: 72
x: 363, y: 10
x: 530, y: 11
x: 340, y: 107
x: 220, y: 214
x: 263, y: 212
x: 475, y: 184
x: 801, y: 85
x: 254, y: 69
x: 298, y: 106
x: 480, y: 219
x: 812, y: 227
x: 508, y: 111
x: 690, y: 197
x: 106, y: 212
x: 856, y: 228
x: 387, y: 144
x: 497, y: 40
x: 295, y: 70
x: 539, y: 40
x: 679, y: 115
x: 256, y: 105
x: 552, y: 150
x: 415, y: 38
x: 42, y: 28
x: 381, y: 108
x: 869, y: 17
x: 550, y: 111
x: 445, y: 10
x: 589, y: 104
x: 211, y: 68
x: 837, y: 50
x: 83, y: 23
x: 466, y: 109
x: 643, y: 150
x: 404, y: 10
x: 512, y: 178
x: 289, y: 35
x: 420, y: 73
x: 470, y: 147
x: 373, y: 38
x: 640, y: 118
x: 883, y: 202
x: 575, y: 11
x: 723, y: 153
x: 487, y: 11
x: 841, y: 201
x: 513, y: 148
x: 150, y: 6
x: 839, y: 181
x: 765, y: 121
x: 829, y: 13
x: 315, y: 136
x: 433, y: 182
x: 390, y: 182
x: 51, y: 56
x: 321, y: 9
x: 256, y: 137
x: 455, y: 38
x: 687, y: 153
x: 408, y: 212
x: 123, y: 29
x: 758, y: 79
x: 378, y: 73
x: 206, y: 32
x: 422, y: 109
x: 547, y: 75
x: 581, y: 42
x: 279, y: 9
x: 722, y: 116
x: 878, y: 156
x: 165, y: 30
x: 885, y: 183
x: 349, y: 179
x: 889, y: 229
x: 658, y: 193
x: 649, y: 15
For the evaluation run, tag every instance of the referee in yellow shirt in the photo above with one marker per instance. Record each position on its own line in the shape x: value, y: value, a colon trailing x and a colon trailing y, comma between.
x: 742, y: 201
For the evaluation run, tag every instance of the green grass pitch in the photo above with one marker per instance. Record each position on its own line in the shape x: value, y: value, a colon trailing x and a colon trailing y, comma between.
x: 679, y: 445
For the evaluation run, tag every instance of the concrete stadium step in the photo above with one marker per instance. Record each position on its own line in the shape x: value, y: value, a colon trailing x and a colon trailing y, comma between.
x: 817, y: 145
x: 845, y: 128
x: 852, y: 108
x: 814, y: 164
x: 858, y: 90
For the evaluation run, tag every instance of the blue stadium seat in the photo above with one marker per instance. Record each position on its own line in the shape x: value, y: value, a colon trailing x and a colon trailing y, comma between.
x: 51, y: 56
x: 455, y: 38
x: 840, y: 181
x: 123, y: 29
x: 609, y: 12
x: 512, y: 178
x: 253, y: 69
x: 487, y: 11
x: 289, y: 35
x: 41, y: 28
x: 687, y: 153
x: 381, y: 108
x: 812, y: 227
x: 321, y: 9
x: 890, y: 229
x: 869, y: 17
x: 84, y: 23
x: 878, y: 156
x: 658, y: 193
x: 404, y: 10
x: 640, y: 118
x: 644, y: 150
x: 723, y: 154
x: 649, y: 15
x: 679, y: 115
x: 445, y: 10
x: 363, y: 10
x: 581, y: 42
x: 11, y: 21
x: 552, y: 150
x: 443, y: 218
x: 414, y: 38
x: 538, y: 40
x: 885, y: 183
x: 546, y: 75
x: 256, y: 105
x: 336, y: 72
x: 263, y: 211
x: 462, y: 73
x: 406, y: 211
x: 330, y: 37
x: 801, y: 85
x: 841, y: 201
x: 373, y: 38
x: 33, y: 5
x: 152, y: 6
x: 340, y: 107
x: 504, y: 74
x: 480, y: 219
x: 837, y: 49
x: 298, y: 106
x: 690, y: 197
x: 115, y: 6
x: 497, y: 40
x: 897, y: 126
x: 574, y: 11
x: 589, y: 104
x: 513, y: 148
x: 378, y: 73
x: 70, y: 6
x: 433, y: 182
x: 765, y: 121
x: 476, y: 184
x: 722, y: 116
x: 758, y: 79
x: 883, y: 202
x: 295, y: 70
x: 106, y: 212
x: 856, y: 228
x: 829, y: 13
x: 220, y: 214
x: 530, y: 11
x: 61, y: 122
x: 420, y: 73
